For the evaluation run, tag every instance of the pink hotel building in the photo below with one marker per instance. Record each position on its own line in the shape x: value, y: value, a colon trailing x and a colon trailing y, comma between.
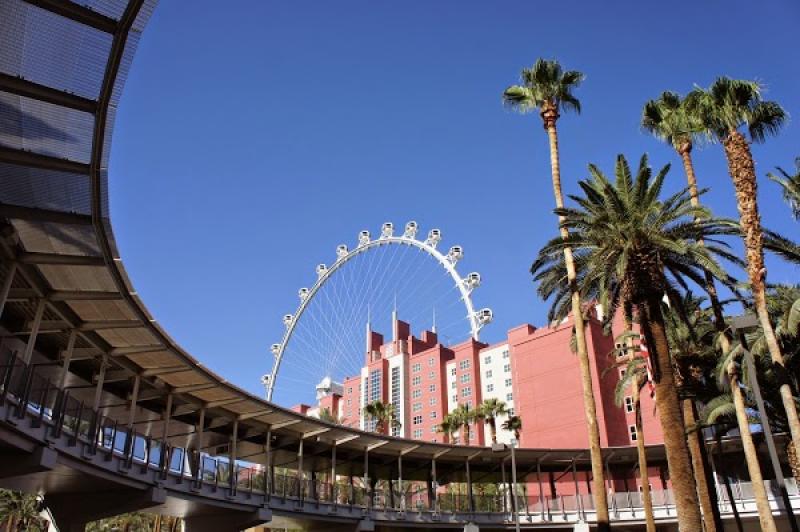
x: 533, y: 371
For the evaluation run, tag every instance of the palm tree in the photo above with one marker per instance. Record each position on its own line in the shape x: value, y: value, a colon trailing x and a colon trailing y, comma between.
x: 726, y: 107
x: 383, y: 414
x: 548, y: 88
x: 790, y: 183
x: 490, y: 409
x: 633, y: 248
x: 464, y: 416
x: 21, y: 511
x: 448, y: 427
x: 635, y: 378
x: 669, y: 119
x: 325, y: 414
x: 513, y: 424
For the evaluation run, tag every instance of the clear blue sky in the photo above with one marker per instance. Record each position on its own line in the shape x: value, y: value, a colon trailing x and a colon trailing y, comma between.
x: 253, y: 137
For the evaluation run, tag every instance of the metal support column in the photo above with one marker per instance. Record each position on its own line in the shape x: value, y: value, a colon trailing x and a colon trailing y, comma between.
x: 541, y: 488
x: 400, y: 482
x: 6, y: 288
x: 434, y: 495
x: 578, y: 502
x: 62, y: 381
x: 300, y: 476
x: 514, y: 501
x: 101, y: 377
x: 270, y: 471
x: 367, y: 491
x: 164, y: 451
x: 37, y: 323
x: 201, y: 426
x: 470, y: 500
x: 333, y: 474
x: 233, y: 455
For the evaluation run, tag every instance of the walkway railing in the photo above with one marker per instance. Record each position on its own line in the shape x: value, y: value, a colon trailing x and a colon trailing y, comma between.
x: 28, y: 395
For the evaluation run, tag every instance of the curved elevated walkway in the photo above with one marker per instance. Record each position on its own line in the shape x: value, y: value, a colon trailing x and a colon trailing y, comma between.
x: 104, y: 413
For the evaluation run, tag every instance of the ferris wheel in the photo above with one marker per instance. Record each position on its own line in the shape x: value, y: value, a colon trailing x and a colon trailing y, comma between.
x: 369, y: 285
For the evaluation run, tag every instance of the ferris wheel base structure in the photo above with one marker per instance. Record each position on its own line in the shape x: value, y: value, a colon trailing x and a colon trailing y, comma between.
x: 102, y: 412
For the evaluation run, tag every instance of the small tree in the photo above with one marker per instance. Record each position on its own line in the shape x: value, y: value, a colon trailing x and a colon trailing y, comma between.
x: 513, y: 424
x: 383, y: 414
x: 490, y: 409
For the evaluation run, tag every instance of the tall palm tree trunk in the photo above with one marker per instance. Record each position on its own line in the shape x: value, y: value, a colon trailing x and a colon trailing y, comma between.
x: 668, y: 406
x: 493, y: 429
x: 743, y: 172
x: 550, y: 116
x: 647, y: 499
x: 751, y: 455
x: 710, y: 509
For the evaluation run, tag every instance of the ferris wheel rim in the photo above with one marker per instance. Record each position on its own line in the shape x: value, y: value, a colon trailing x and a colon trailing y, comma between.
x: 409, y: 239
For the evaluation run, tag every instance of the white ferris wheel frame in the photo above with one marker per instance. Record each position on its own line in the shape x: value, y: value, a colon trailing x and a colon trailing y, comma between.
x: 465, y: 285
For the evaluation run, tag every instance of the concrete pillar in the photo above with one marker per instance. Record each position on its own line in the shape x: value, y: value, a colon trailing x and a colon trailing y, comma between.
x: 37, y: 322
x: 6, y: 288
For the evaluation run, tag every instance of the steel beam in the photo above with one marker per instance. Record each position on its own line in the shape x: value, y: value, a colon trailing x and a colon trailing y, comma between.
x: 43, y: 162
x: 23, y: 87
x: 78, y: 13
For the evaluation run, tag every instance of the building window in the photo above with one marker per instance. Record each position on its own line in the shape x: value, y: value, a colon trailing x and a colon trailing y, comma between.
x: 416, y: 381
x: 490, y: 387
x: 464, y: 364
x: 488, y: 374
x: 434, y: 429
x: 416, y: 394
x: 466, y: 391
x: 465, y: 377
x: 416, y: 420
x: 453, y: 371
x: 509, y: 397
x: 431, y: 362
x: 487, y: 359
x: 622, y: 374
x: 628, y: 404
x: 417, y: 407
x: 469, y: 404
x: 510, y: 412
x: 418, y: 434
x: 507, y: 368
x: 349, y: 402
x: 416, y: 368
x: 505, y: 353
x: 508, y: 382
x: 432, y: 388
x: 433, y: 415
x: 375, y: 385
x: 432, y: 375
x: 350, y: 389
x: 632, y: 432
x: 453, y: 384
x: 432, y: 401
